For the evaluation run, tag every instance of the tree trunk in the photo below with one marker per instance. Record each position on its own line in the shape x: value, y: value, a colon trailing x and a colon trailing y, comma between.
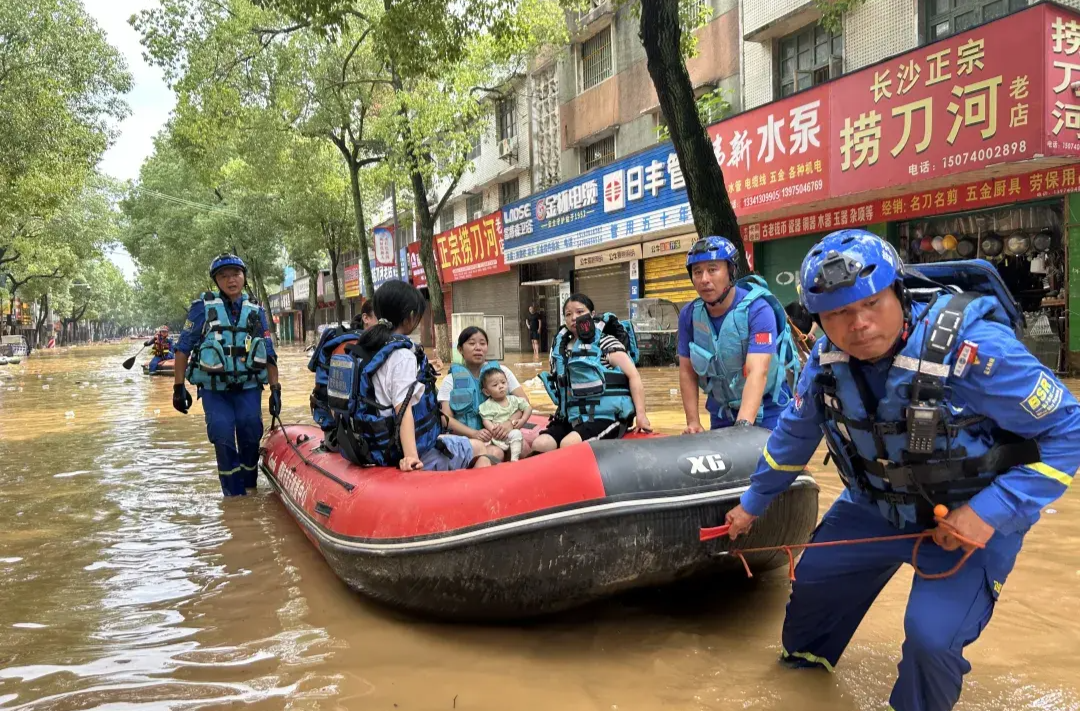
x: 361, y: 228
x: 705, y: 188
x: 339, y: 307
x: 43, y: 307
x: 431, y: 271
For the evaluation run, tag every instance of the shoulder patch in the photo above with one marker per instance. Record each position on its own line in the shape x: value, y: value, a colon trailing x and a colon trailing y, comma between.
x: 965, y: 358
x: 188, y: 325
x: 1044, y: 398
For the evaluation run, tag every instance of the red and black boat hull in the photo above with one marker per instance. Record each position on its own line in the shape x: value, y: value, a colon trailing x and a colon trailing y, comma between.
x: 541, y: 535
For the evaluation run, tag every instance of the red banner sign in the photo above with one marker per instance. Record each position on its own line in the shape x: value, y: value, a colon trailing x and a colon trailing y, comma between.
x: 951, y: 107
x: 416, y: 269
x: 472, y: 250
x: 1062, y: 90
x: 776, y: 155
x: 970, y: 196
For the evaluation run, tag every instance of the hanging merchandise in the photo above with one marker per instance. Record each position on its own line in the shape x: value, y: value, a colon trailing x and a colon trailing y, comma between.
x: 949, y: 242
x: 1018, y: 244
x: 967, y: 247
x: 1043, y: 240
x: 992, y: 245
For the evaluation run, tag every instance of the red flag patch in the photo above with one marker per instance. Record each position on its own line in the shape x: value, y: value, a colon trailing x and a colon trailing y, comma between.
x: 763, y: 339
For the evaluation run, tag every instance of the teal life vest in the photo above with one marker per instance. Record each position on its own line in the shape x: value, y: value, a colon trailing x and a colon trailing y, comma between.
x: 963, y: 451
x: 719, y: 359
x: 467, y: 394
x: 230, y: 356
x: 579, y: 384
x: 365, y: 435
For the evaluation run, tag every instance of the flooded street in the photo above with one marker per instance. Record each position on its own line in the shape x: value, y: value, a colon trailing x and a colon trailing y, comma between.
x: 126, y: 582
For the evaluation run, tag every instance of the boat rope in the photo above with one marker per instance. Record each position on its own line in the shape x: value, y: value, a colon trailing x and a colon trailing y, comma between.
x: 717, y: 531
x: 305, y: 460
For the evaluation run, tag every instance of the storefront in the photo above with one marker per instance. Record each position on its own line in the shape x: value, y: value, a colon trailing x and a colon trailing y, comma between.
x: 291, y: 321
x: 665, y: 269
x: 605, y: 278
x: 473, y: 270
x: 301, y: 296
x: 351, y: 289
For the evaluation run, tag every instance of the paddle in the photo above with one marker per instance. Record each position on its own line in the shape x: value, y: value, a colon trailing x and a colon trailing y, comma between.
x: 131, y: 361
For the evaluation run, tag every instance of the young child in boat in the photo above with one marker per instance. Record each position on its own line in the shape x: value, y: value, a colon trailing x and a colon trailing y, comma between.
x: 501, y: 410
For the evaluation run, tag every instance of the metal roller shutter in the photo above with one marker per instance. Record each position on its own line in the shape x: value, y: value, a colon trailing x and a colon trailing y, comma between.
x: 493, y: 296
x: 608, y: 287
x: 666, y: 278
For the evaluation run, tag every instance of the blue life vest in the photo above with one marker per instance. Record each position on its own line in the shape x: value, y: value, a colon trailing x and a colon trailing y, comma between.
x: 364, y: 435
x: 320, y: 365
x: 719, y: 359
x: 963, y: 452
x: 581, y: 387
x: 467, y: 394
x: 230, y: 356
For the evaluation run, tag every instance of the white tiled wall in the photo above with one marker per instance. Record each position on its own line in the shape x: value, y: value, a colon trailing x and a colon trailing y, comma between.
x: 758, y: 13
x: 879, y: 29
x: 757, y: 67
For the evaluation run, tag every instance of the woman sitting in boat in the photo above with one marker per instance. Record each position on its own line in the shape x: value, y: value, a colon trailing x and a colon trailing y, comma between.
x: 461, y: 392
x: 161, y: 348
x: 592, y: 380
x: 391, y: 416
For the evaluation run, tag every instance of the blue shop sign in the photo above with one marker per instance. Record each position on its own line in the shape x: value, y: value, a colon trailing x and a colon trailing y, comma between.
x: 634, y: 196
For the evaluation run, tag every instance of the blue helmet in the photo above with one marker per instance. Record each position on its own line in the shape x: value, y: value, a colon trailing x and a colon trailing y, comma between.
x: 714, y: 249
x: 847, y: 266
x: 224, y: 260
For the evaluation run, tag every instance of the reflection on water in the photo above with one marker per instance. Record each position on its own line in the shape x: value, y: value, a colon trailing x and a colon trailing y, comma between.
x: 126, y: 582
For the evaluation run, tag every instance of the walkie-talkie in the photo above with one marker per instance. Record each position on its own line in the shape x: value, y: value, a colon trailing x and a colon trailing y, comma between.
x: 922, y: 427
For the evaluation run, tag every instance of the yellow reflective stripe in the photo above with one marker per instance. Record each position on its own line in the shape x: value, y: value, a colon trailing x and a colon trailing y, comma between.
x: 781, y: 467
x: 1055, y: 474
x: 228, y: 473
x: 810, y: 658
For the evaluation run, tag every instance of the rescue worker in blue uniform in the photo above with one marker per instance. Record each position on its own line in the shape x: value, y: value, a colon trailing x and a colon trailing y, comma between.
x: 926, y: 399
x: 161, y: 348
x: 231, y: 359
x: 733, y: 343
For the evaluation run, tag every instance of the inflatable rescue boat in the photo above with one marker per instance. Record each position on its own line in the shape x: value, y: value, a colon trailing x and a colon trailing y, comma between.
x: 165, y: 367
x: 547, y: 533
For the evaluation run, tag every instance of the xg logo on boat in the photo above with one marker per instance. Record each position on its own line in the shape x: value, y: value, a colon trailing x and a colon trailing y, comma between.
x: 707, y: 465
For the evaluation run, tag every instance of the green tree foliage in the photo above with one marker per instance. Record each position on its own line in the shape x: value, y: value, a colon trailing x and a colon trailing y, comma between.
x: 61, y: 85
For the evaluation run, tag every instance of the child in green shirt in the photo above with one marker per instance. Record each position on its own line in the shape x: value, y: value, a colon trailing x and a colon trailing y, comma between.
x: 503, y: 408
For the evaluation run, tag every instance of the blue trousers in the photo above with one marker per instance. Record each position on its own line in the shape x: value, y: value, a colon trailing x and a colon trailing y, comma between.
x: 234, y: 426
x: 154, y: 362
x: 834, y: 588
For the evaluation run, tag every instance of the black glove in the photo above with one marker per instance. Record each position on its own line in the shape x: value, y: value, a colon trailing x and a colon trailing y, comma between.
x: 181, y: 399
x: 743, y: 423
x: 149, y: 343
x: 275, y: 401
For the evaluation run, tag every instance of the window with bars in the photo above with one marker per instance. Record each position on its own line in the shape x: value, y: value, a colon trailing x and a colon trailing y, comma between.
x: 508, y: 192
x: 597, y: 154
x: 949, y: 17
x: 387, y: 191
x: 474, y: 207
x: 596, y: 64
x: 474, y: 152
x: 447, y: 218
x: 506, y: 118
x: 691, y: 16
x: 807, y: 58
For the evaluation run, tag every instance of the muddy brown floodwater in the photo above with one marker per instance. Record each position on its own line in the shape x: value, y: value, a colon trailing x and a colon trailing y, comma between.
x: 126, y: 582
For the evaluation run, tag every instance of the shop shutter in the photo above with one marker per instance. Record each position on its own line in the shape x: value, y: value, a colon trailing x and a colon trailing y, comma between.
x: 608, y: 287
x: 666, y: 278
x: 493, y: 296
x: 779, y: 262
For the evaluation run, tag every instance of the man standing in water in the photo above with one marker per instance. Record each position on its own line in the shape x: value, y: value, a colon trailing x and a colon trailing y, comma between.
x: 233, y: 359
x: 734, y: 343
x: 925, y: 407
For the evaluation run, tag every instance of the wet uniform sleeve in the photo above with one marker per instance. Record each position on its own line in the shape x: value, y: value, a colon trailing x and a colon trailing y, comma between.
x: 1011, y: 387
x: 762, y: 324
x: 686, y: 329
x: 192, y: 331
x: 790, y: 446
x: 267, y: 334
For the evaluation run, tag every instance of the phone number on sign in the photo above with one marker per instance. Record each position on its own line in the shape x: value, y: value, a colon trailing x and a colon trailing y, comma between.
x: 984, y: 154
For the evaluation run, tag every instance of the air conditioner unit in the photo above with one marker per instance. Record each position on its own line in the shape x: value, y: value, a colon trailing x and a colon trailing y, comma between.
x: 508, y: 148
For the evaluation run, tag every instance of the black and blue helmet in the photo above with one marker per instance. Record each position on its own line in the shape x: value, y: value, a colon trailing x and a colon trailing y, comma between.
x: 224, y: 260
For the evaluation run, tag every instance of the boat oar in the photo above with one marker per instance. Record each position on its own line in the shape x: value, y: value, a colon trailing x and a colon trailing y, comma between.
x: 131, y: 361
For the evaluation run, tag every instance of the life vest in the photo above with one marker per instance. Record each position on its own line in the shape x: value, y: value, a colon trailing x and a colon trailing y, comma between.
x: 332, y: 341
x: 230, y: 356
x: 719, y: 359
x: 467, y: 394
x: 162, y: 346
x: 581, y: 387
x: 364, y: 436
x: 961, y: 453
